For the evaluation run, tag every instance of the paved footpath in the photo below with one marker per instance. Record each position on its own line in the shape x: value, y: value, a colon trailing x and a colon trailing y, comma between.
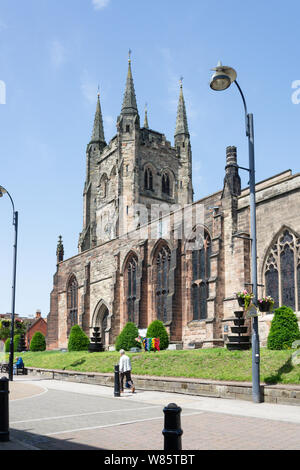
x: 58, y: 415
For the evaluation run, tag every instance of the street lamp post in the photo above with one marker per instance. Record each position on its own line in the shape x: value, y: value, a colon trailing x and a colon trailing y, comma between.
x: 221, y: 80
x: 11, y: 345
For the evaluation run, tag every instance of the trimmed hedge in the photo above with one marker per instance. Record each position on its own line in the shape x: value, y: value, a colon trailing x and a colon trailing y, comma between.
x: 38, y: 342
x: 284, y: 329
x: 126, y: 338
x: 78, y: 340
x: 156, y: 329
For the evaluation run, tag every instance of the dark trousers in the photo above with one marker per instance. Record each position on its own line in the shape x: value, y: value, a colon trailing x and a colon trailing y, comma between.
x: 126, y: 374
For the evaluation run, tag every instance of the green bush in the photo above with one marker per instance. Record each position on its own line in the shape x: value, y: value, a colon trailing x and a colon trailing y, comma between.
x: 6, y: 346
x: 156, y: 329
x: 126, y: 338
x: 284, y: 329
x: 78, y: 340
x: 38, y: 342
x: 16, y: 344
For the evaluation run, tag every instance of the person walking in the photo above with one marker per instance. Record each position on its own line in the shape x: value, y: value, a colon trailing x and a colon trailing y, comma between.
x: 125, y: 371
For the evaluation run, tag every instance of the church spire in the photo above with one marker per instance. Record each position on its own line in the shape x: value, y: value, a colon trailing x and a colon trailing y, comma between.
x: 129, y: 102
x: 146, y: 125
x: 181, y: 122
x: 98, y: 130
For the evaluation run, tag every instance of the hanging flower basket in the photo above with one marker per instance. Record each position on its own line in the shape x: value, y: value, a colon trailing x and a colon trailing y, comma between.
x: 244, y: 298
x: 265, y: 304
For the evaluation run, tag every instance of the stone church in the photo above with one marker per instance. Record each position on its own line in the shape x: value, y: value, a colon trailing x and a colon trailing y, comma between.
x: 134, y: 268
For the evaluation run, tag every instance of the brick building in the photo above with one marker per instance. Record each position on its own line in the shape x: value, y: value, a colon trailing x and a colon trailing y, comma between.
x: 37, y: 324
x: 133, y: 264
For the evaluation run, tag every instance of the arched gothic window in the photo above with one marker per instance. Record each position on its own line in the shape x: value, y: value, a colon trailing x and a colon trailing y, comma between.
x: 148, y: 179
x: 131, y: 287
x: 282, y: 271
x: 166, y: 184
x: 72, y: 303
x: 200, y: 277
x: 103, y: 186
x: 163, y: 260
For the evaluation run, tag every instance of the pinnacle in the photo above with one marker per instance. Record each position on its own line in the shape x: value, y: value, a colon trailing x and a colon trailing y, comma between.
x: 181, y: 121
x: 98, y: 130
x: 129, y: 102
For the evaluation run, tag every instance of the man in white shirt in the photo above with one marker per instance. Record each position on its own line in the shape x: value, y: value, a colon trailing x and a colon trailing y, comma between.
x: 125, y: 371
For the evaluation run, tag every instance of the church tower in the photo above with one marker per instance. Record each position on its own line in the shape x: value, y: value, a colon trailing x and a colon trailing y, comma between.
x: 184, y: 153
x: 128, y: 135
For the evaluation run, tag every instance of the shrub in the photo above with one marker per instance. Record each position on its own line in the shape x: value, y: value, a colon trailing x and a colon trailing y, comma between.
x: 126, y: 338
x: 38, y: 342
x: 156, y: 329
x: 78, y: 340
x: 284, y: 329
x: 16, y: 344
x: 6, y: 346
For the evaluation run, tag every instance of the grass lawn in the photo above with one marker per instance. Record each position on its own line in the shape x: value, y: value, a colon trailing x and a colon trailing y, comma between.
x: 215, y: 363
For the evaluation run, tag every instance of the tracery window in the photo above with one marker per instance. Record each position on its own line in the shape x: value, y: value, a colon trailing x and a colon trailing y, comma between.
x: 282, y: 271
x: 200, y: 278
x: 163, y: 260
x: 166, y: 184
x: 72, y: 302
x: 148, y: 179
x: 131, y: 286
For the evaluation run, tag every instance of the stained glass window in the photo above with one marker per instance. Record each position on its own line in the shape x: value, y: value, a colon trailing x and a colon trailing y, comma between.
x: 201, y: 275
x: 282, y: 271
x: 131, y: 287
x: 72, y: 300
x: 163, y: 259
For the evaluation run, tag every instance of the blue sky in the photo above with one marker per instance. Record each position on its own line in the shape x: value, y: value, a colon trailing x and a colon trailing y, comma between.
x: 53, y: 55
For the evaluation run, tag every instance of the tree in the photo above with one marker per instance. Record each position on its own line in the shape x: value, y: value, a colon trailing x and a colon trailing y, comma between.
x: 156, y: 329
x: 5, y: 327
x: 284, y: 329
x: 78, y: 340
x: 38, y: 342
x: 126, y: 338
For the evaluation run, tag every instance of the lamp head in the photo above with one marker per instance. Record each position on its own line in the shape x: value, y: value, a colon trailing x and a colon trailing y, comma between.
x: 2, y: 191
x: 222, y: 78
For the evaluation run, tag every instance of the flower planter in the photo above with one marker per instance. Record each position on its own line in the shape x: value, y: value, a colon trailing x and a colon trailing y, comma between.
x: 241, y: 301
x: 264, y: 306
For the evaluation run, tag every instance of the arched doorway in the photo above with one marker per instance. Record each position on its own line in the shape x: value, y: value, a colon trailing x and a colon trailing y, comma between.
x: 100, y: 319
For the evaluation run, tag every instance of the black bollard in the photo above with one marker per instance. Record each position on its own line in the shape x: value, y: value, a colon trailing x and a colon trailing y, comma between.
x: 172, y: 431
x: 4, y: 421
x: 117, y: 381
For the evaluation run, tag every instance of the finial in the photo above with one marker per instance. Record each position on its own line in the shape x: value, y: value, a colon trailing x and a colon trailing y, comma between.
x: 146, y: 125
x: 129, y: 55
x: 60, y: 250
x: 98, y: 93
x: 180, y: 81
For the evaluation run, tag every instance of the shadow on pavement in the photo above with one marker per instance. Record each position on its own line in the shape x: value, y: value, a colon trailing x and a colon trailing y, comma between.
x: 45, y: 442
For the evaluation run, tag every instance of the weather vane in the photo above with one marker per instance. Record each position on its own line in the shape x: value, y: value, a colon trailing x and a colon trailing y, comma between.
x: 129, y: 55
